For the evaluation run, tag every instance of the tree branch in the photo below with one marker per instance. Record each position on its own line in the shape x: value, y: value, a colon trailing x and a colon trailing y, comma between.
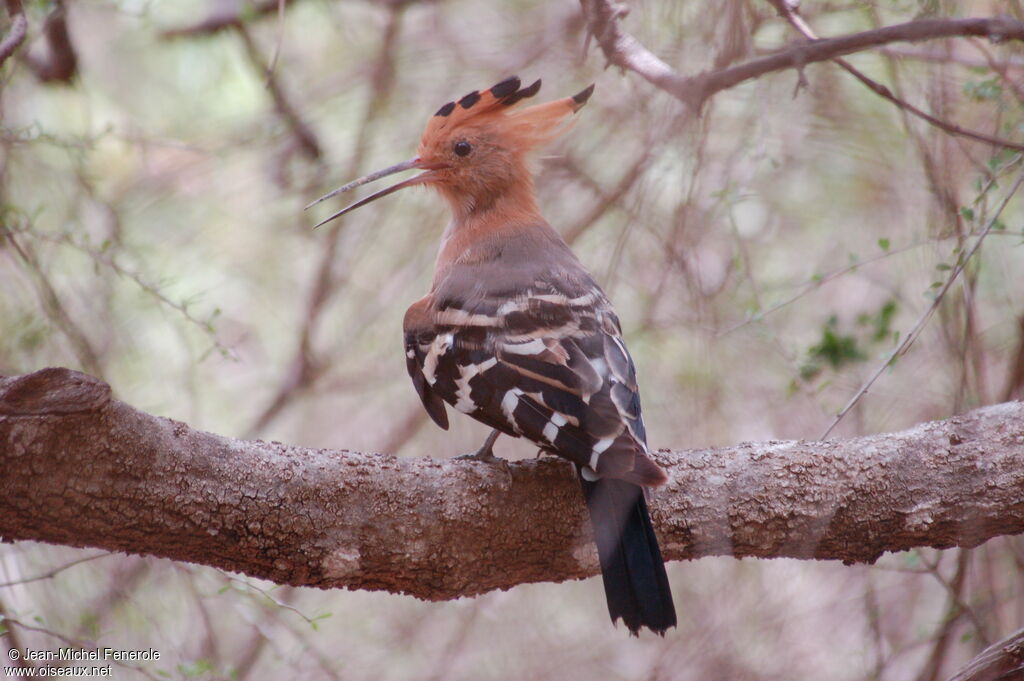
x: 225, y: 16
x: 1001, y: 661
x: 787, y: 11
x: 82, y: 469
x: 16, y: 33
x: 60, y: 65
x: 623, y: 50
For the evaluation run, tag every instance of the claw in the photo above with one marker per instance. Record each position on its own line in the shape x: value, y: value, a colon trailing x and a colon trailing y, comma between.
x: 486, y: 451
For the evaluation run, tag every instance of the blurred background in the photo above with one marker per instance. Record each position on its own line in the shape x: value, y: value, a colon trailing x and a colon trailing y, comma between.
x: 765, y: 257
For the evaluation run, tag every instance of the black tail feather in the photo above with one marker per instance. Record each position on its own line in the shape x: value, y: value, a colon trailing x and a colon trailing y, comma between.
x: 633, y: 570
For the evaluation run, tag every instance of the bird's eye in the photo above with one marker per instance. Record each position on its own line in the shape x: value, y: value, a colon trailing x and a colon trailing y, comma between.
x: 462, y: 148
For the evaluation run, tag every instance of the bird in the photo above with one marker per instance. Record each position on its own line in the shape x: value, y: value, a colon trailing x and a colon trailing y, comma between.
x: 517, y: 334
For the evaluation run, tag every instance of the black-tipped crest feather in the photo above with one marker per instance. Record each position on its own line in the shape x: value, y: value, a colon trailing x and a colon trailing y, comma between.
x: 526, y: 92
x: 505, y: 87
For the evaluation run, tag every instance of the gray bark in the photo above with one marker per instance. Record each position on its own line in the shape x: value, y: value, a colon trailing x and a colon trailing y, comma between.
x: 80, y: 468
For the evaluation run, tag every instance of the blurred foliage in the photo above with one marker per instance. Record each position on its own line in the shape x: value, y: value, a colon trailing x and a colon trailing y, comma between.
x: 153, y: 234
x: 836, y: 349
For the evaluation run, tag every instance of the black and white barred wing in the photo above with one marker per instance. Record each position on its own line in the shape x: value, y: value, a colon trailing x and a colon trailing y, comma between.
x: 540, y: 365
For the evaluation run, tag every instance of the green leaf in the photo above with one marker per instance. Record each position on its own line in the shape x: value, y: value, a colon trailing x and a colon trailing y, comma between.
x: 967, y: 213
x: 833, y: 349
x: 197, y: 668
x: 883, y: 243
x: 943, y: 267
x: 883, y: 321
x: 809, y: 371
x: 985, y: 90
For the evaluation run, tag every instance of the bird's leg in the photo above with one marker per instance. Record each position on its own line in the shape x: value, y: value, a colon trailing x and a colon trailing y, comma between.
x: 486, y: 451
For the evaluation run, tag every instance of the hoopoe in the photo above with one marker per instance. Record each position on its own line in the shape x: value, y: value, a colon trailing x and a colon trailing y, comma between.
x: 516, y: 333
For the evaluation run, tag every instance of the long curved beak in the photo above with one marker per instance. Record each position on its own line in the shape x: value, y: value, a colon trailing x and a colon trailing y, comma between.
x: 431, y: 170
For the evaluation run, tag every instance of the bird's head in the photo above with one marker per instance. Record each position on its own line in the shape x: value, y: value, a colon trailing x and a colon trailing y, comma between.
x: 474, y: 150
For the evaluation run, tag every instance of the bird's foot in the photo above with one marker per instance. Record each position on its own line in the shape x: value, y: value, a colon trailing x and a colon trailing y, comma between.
x: 486, y: 451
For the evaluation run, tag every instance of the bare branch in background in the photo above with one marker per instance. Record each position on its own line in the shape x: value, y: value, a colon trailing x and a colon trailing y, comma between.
x: 53, y: 572
x: 789, y: 14
x: 82, y: 469
x: 232, y: 15
x: 954, y: 610
x: 236, y: 16
x: 1015, y: 378
x: 623, y: 50
x: 1001, y: 661
x: 16, y: 32
x: 61, y: 63
x: 941, y: 57
x: 12, y: 623
x: 304, y: 369
x: 55, y: 309
x: 304, y: 135
x: 909, y: 338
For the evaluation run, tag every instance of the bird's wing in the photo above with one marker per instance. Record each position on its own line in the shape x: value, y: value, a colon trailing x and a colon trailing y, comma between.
x: 419, y: 330
x: 544, y: 361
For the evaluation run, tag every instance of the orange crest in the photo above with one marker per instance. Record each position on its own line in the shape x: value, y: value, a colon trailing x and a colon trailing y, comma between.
x: 491, y: 110
x: 473, y: 150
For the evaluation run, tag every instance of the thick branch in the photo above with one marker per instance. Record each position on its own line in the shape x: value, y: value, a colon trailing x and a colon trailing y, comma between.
x: 82, y: 469
x: 623, y: 50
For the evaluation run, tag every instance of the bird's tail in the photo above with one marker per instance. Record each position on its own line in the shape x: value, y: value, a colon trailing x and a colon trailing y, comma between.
x: 633, y: 570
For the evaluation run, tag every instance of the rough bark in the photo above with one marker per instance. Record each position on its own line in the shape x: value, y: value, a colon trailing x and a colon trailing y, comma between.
x: 80, y: 468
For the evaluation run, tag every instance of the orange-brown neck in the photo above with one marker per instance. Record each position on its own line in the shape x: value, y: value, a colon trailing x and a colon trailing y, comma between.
x: 513, y: 211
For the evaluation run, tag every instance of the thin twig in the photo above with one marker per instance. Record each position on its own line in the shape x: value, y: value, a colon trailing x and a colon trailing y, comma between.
x: 279, y: 42
x: 77, y: 643
x: 61, y: 63
x: 954, y: 610
x: 819, y: 281
x: 227, y: 17
x: 289, y: 114
x: 16, y: 33
x: 13, y: 641
x: 265, y: 594
x: 55, y: 571
x: 625, y: 51
x: 102, y: 257
x: 915, y: 332
x: 946, y: 58
x: 1001, y: 68
x: 304, y: 369
x: 1015, y: 377
x: 955, y: 587
x: 609, y: 199
x: 54, y: 306
x: 1000, y: 661
x: 795, y: 20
